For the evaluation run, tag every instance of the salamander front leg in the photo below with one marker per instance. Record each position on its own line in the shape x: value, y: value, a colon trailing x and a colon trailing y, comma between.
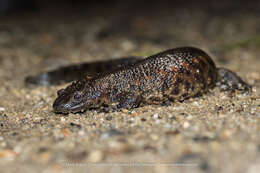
x: 129, y: 101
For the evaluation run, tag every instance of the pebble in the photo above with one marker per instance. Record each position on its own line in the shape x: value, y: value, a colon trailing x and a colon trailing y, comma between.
x: 154, y: 137
x: 110, y: 133
x: 96, y: 156
x: 2, y: 109
x: 28, y: 116
x: 116, y: 147
x: 109, y: 118
x: 158, y: 121
x: 8, y: 154
x: 168, y: 125
x: 156, y: 115
x: 81, y: 132
x: 62, y: 119
x: 189, y: 117
x: 186, y: 124
x: 196, y: 103
x: 226, y: 134
x: 45, y: 157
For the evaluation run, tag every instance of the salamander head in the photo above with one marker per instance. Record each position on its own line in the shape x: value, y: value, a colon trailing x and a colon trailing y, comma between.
x: 75, y: 98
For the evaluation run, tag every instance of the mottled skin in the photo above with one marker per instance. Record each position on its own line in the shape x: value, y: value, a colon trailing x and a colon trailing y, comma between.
x: 174, y: 74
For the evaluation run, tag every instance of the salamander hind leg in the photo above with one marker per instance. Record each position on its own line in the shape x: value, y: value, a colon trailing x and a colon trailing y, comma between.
x: 129, y: 101
x: 230, y: 81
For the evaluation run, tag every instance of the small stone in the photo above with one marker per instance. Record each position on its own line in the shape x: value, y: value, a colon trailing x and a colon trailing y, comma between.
x: 186, y: 124
x: 173, y: 132
x: 9, y: 154
x: 133, y: 114
x: 254, y: 89
x: 156, y: 115
x: 202, y: 139
x: 226, y: 134
x: 18, y: 149
x: 45, y: 157
x: 111, y: 132
x: 154, y: 137
x: 168, y: 125
x: 143, y: 119
x: 77, y: 155
x: 189, y: 117
x: 96, y: 156
x: 109, y: 118
x: 81, y: 132
x: 124, y: 110
x: 28, y: 116
x: 196, y: 103
x: 75, y: 125
x: 65, y: 132
x: 116, y: 147
x: 2, y: 109
x: 62, y: 119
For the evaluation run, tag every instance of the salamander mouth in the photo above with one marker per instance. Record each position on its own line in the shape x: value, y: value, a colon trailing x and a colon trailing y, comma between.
x: 59, y: 106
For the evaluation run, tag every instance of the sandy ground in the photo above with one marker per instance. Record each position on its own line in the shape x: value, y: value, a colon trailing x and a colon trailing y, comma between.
x: 217, y: 132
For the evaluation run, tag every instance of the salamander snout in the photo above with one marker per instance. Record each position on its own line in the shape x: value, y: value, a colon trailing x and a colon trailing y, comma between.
x: 69, y: 100
x: 64, y: 104
x: 61, y: 104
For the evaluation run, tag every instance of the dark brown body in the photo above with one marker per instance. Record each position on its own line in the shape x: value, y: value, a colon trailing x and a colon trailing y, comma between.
x: 174, y: 74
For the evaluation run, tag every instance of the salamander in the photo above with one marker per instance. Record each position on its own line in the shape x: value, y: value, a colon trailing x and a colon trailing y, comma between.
x: 171, y: 75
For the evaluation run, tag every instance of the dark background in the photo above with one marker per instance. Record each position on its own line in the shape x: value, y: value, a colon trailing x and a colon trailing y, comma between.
x: 17, y: 6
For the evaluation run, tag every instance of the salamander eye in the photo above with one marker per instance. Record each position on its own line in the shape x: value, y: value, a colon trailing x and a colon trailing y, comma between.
x: 79, y: 85
x: 60, y: 92
x: 77, y: 96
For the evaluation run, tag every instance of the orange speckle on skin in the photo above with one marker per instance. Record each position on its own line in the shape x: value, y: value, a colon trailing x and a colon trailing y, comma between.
x: 195, y: 60
x: 162, y: 72
x: 148, y: 77
x: 186, y: 65
x: 173, y: 68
